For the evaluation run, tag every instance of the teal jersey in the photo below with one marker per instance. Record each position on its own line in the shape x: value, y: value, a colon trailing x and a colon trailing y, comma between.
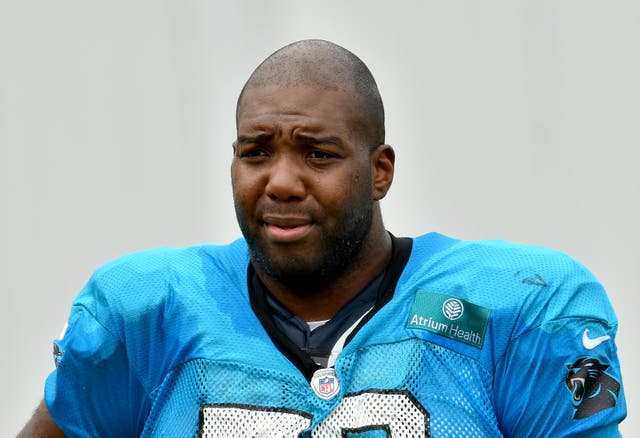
x: 475, y: 339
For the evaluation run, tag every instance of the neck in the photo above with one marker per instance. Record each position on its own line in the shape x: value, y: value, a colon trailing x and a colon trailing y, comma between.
x: 322, y: 303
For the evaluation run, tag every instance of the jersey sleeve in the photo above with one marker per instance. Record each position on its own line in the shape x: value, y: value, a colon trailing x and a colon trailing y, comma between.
x: 92, y: 391
x: 560, y: 375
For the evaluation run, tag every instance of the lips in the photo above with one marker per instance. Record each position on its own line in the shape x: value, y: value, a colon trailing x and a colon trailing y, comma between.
x: 281, y: 228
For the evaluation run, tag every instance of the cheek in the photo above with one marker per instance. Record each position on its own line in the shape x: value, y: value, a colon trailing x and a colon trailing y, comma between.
x: 244, y: 201
x: 359, y: 183
x: 348, y: 192
x: 246, y: 187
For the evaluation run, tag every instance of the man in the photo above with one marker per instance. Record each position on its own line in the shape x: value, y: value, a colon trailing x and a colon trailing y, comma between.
x: 320, y: 322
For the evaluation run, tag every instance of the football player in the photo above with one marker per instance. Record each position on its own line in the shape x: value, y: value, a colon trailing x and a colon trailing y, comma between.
x: 319, y: 322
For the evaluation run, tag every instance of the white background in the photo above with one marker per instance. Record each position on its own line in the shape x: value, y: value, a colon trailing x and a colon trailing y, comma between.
x: 510, y: 119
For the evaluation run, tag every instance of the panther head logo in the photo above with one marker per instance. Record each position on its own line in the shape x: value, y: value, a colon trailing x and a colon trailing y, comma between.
x: 593, y: 390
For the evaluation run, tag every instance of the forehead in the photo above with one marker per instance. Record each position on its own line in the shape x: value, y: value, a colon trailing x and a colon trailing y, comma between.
x: 281, y: 105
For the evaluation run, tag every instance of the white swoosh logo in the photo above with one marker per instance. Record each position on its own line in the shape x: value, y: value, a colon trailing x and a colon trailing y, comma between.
x: 591, y: 343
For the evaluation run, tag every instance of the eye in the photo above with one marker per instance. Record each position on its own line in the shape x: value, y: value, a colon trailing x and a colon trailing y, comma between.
x: 253, y: 153
x: 319, y: 155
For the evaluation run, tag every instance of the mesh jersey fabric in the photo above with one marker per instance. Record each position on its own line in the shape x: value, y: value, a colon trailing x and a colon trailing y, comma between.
x: 165, y: 343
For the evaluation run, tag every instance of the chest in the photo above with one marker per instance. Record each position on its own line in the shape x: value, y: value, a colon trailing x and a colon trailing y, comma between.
x: 405, y: 388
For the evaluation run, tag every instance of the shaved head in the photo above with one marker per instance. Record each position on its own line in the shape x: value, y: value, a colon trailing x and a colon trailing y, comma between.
x: 322, y: 64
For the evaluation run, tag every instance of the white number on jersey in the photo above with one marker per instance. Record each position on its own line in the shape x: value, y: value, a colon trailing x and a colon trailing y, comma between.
x: 397, y: 413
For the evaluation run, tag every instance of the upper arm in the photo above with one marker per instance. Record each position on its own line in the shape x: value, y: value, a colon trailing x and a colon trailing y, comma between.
x: 93, y: 391
x: 41, y: 425
x: 560, y: 374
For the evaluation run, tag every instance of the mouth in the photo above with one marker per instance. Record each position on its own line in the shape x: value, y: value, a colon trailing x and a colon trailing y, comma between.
x: 286, y: 229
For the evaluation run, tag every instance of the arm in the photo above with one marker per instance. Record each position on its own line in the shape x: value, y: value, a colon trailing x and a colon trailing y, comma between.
x: 560, y: 374
x: 41, y: 425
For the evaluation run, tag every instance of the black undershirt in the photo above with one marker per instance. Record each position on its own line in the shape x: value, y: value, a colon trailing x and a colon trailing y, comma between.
x: 382, y: 287
x: 319, y: 342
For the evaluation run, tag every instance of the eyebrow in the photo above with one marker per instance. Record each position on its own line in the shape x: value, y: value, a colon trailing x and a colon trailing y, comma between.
x: 259, y: 139
x: 266, y: 138
x: 331, y: 139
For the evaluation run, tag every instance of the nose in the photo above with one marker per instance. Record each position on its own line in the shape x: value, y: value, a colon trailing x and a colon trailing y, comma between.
x: 285, y: 181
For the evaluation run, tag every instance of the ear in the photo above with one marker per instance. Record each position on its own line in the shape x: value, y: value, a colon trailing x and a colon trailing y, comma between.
x: 383, y: 160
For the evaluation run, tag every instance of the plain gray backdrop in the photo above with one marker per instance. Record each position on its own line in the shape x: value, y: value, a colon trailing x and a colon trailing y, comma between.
x: 511, y: 119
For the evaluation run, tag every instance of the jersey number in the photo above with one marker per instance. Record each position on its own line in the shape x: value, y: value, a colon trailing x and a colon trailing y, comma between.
x: 395, y: 413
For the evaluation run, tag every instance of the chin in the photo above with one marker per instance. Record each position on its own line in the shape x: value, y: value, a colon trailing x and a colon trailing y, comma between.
x: 301, y: 269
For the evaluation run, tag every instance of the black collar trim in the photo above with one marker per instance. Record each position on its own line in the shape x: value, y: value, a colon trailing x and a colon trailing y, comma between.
x: 400, y: 252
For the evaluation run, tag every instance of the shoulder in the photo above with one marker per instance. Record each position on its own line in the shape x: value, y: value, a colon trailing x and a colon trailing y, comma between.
x: 495, y: 254
x: 177, y: 260
x: 146, y: 279
x: 159, y: 265
x: 547, y: 283
x: 499, y: 258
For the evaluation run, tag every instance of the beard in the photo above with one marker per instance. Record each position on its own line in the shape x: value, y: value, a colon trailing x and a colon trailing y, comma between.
x: 335, y: 252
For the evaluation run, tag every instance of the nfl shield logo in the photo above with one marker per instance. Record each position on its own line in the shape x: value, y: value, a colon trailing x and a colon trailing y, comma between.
x: 325, y: 383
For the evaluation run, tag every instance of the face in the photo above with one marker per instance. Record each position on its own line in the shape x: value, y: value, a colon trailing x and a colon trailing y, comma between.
x: 302, y: 182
